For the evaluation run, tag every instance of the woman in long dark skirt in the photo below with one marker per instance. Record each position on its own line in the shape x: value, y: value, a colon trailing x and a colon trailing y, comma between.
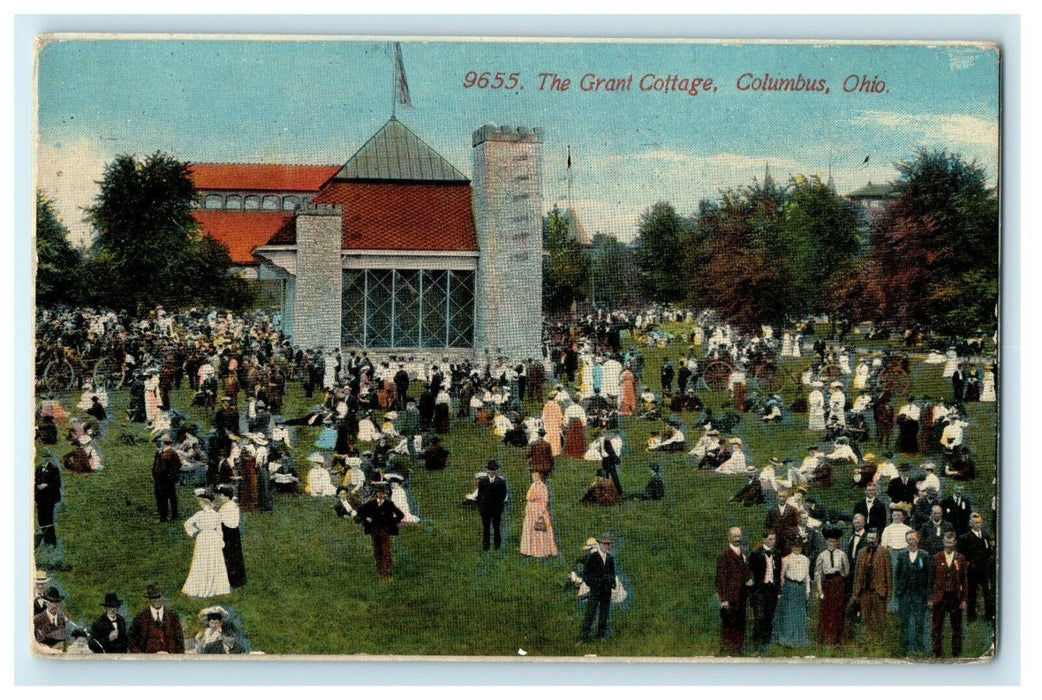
x: 230, y: 520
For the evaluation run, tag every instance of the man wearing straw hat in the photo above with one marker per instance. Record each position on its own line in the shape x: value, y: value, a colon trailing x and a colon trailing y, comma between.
x: 599, y: 575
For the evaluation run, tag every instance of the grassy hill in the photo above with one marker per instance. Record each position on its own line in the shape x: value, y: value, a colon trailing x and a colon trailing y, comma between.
x: 312, y: 583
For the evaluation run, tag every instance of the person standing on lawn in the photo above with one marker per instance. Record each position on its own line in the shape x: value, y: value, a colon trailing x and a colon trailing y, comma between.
x: 380, y: 518
x: 599, y: 575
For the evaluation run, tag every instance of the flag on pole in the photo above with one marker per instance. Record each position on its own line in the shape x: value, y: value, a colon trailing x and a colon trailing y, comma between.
x: 401, y: 88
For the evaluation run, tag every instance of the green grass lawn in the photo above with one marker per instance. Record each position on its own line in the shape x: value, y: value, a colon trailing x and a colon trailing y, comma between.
x: 312, y: 582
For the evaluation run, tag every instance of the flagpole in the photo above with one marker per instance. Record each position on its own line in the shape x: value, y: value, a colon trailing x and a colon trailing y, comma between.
x: 394, y: 82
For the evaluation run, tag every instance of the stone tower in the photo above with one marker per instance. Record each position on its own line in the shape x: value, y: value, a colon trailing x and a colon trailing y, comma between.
x: 317, y: 312
x: 508, y: 210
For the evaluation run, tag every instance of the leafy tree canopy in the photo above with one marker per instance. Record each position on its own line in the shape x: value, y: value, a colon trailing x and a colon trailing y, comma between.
x: 57, y: 262
x: 566, y: 265
x: 148, y: 248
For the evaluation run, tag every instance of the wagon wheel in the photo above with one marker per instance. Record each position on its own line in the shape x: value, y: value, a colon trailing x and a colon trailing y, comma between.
x: 831, y: 373
x: 107, y: 372
x: 716, y: 375
x: 896, y: 380
x: 59, y: 375
x: 768, y: 377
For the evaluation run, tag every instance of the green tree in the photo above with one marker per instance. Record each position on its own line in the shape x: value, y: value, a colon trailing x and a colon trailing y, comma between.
x: 936, y: 249
x: 58, y: 264
x: 819, y: 240
x: 664, y: 236
x: 738, y: 266
x: 148, y: 249
x: 566, y: 265
x: 611, y: 273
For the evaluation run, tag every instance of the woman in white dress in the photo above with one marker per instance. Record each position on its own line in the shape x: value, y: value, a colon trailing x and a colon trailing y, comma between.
x: 988, y: 394
x: 861, y: 376
x: 816, y: 408
x: 400, y: 498
x: 320, y: 482
x: 208, y: 576
x: 951, y: 364
x: 737, y: 463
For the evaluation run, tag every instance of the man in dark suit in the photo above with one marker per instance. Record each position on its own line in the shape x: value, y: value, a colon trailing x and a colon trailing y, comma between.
x: 401, y: 383
x: 901, y: 489
x: 783, y: 520
x: 732, y: 572
x: 492, y: 498
x: 49, y: 627
x: 541, y: 456
x: 166, y: 471
x: 156, y: 629
x: 872, y: 508
x: 599, y: 575
x: 957, y: 510
x: 764, y: 582
x: 109, y: 631
x: 227, y: 644
x: 380, y: 518
x: 979, y: 550
x: 912, y: 590
x: 931, y: 535
x: 47, y: 495
x: 948, y: 595
x: 855, y: 544
x: 958, y: 382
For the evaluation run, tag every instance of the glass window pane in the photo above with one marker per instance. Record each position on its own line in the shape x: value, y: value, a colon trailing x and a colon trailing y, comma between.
x: 290, y: 203
x: 378, y: 321
x: 407, y: 308
x: 233, y: 202
x: 461, y: 309
x: 435, y: 290
x: 272, y: 202
x: 214, y: 201
x: 352, y: 320
x: 251, y: 202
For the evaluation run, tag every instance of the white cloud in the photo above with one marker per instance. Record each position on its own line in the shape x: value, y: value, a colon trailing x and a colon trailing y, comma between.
x: 67, y: 173
x: 943, y: 129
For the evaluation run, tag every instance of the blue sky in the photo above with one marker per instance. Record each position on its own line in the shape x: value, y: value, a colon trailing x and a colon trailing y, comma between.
x: 319, y: 101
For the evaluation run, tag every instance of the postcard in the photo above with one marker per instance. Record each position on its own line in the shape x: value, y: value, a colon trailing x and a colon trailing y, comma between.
x: 404, y: 347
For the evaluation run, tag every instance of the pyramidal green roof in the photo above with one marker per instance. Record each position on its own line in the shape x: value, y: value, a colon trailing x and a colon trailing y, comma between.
x: 396, y: 153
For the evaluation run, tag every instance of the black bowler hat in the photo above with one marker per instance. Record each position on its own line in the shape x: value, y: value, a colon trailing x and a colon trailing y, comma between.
x: 111, y: 601
x: 492, y: 466
x: 53, y: 595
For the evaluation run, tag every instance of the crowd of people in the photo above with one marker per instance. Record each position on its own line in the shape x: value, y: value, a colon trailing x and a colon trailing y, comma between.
x: 374, y: 420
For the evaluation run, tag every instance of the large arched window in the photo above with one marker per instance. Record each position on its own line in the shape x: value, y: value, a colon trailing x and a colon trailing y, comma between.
x: 408, y: 309
x: 251, y: 202
x: 272, y: 203
x: 214, y: 201
x: 290, y: 203
x: 233, y: 202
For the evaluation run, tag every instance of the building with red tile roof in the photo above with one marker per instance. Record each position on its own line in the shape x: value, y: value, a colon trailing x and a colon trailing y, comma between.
x: 395, y: 249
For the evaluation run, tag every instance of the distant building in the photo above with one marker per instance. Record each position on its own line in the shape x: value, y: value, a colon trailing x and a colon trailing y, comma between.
x: 396, y: 249
x: 873, y: 199
x: 576, y: 229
